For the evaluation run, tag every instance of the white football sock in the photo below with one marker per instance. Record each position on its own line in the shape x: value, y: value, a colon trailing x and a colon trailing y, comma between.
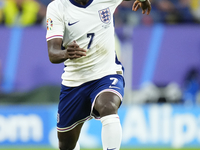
x: 77, y: 146
x: 111, y: 132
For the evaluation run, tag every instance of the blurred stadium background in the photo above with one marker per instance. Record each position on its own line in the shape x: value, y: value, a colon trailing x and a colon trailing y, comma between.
x: 161, y: 55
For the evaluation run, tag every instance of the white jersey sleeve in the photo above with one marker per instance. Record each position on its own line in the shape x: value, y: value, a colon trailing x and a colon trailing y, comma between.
x: 55, y: 23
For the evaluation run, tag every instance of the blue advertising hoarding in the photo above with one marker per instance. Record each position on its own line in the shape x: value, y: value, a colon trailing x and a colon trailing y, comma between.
x: 26, y: 125
x: 148, y: 125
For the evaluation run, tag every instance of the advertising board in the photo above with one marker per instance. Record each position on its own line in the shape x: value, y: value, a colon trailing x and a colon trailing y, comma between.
x: 147, y: 125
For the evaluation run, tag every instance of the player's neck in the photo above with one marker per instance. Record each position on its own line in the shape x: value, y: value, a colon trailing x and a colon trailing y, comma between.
x: 82, y: 2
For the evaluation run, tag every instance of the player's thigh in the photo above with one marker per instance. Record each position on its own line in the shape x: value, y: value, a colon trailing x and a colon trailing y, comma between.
x: 69, y: 139
x: 107, y: 103
x: 107, y: 97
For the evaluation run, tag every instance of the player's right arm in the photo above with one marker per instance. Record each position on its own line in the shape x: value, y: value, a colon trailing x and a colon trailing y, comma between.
x: 56, y: 55
x: 54, y: 36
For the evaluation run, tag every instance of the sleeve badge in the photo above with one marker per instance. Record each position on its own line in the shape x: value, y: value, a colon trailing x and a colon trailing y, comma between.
x: 49, y: 24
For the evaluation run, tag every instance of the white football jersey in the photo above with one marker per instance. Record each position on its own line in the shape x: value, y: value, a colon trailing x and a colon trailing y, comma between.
x: 92, y: 27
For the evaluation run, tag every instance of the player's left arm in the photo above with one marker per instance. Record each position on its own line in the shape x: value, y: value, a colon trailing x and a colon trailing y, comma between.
x: 144, y: 4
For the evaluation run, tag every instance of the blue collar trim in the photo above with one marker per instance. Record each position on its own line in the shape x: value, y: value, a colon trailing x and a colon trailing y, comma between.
x: 79, y: 5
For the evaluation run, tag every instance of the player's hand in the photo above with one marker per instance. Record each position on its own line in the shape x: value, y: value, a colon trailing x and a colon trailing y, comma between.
x: 73, y: 51
x: 146, y: 6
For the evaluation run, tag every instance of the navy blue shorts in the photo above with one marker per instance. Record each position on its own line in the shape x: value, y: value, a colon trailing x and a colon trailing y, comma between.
x: 76, y: 103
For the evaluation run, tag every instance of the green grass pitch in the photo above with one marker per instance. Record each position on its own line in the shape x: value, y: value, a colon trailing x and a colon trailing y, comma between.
x: 101, y: 149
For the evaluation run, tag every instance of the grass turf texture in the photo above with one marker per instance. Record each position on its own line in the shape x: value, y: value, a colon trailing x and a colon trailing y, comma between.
x: 101, y: 149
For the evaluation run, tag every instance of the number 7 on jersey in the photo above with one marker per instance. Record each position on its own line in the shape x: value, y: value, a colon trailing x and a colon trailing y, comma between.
x: 91, y: 36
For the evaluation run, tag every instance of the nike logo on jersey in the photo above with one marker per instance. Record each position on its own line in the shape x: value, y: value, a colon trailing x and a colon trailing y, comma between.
x: 115, y: 87
x: 70, y: 24
x: 111, y: 148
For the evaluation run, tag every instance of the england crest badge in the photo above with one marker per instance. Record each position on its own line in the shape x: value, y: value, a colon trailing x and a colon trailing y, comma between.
x: 105, y: 15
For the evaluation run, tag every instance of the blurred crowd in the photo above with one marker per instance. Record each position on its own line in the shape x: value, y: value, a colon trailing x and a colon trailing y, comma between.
x: 21, y: 12
x: 31, y: 12
x: 187, y: 94
x: 163, y: 11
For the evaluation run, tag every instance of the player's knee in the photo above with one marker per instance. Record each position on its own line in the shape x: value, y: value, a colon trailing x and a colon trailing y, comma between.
x: 108, y: 108
x: 107, y: 104
x: 66, y: 146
